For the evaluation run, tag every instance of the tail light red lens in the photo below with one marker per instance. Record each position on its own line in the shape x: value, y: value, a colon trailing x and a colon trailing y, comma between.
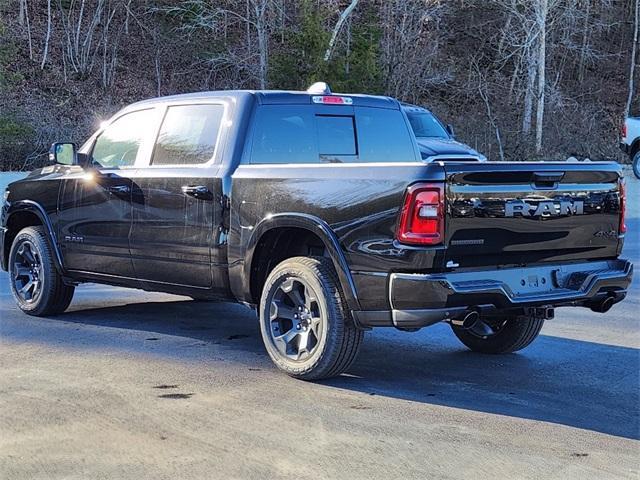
x: 623, y: 206
x: 422, y: 216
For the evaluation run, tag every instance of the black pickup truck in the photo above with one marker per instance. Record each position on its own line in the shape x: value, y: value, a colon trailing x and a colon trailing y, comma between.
x: 318, y: 210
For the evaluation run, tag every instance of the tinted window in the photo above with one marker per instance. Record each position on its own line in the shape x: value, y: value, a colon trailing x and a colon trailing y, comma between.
x: 284, y: 134
x: 118, y: 145
x: 336, y: 135
x: 383, y: 136
x: 425, y: 125
x: 188, y: 135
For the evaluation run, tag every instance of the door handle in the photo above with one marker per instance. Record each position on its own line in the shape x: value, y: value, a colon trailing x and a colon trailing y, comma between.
x: 118, y: 189
x: 197, y: 191
x: 547, y: 180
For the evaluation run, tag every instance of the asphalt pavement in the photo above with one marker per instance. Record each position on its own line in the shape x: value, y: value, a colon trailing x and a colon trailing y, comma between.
x: 137, y: 385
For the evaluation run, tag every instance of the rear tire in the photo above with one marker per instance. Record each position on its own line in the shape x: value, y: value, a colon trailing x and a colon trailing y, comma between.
x: 304, y: 320
x: 36, y: 285
x: 636, y: 164
x: 512, y: 334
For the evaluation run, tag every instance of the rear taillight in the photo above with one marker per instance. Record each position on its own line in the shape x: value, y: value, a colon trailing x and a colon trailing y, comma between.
x: 623, y: 130
x: 623, y: 205
x: 422, y: 216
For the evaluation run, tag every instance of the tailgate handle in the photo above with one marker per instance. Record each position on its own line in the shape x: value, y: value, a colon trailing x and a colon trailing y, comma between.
x: 547, y: 179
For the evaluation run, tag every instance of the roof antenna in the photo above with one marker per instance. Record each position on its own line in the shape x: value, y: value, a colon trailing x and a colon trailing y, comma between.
x: 319, y: 88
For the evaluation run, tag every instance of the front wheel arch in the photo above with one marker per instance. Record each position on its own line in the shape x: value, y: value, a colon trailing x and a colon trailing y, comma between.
x: 26, y: 213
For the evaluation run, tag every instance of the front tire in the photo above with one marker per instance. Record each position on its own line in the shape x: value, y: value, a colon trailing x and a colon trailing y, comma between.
x: 36, y: 285
x: 305, y: 323
x: 500, y: 335
x: 636, y: 164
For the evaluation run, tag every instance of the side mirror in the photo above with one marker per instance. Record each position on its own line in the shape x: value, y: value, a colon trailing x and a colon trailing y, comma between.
x: 63, y: 154
x: 450, y: 130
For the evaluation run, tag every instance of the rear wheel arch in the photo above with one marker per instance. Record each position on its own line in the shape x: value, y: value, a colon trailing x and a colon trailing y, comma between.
x: 285, y: 236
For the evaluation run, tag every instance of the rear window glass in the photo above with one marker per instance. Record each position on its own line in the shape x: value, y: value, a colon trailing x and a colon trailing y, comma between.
x: 297, y: 134
x: 188, y: 135
x: 383, y: 136
x: 336, y: 135
x: 284, y: 134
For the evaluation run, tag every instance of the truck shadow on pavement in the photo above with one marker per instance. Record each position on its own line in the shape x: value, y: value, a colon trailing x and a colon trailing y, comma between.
x: 575, y: 383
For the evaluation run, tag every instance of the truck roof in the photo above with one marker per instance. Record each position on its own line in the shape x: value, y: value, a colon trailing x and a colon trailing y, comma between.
x: 274, y: 97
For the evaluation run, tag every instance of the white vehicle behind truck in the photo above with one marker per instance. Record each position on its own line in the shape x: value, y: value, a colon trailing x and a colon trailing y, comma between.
x: 630, y: 142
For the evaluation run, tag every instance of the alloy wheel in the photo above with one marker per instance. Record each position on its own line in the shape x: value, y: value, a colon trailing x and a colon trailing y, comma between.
x: 27, y: 272
x: 295, y: 320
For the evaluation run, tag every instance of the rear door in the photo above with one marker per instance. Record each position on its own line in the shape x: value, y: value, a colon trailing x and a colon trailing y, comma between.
x: 177, y: 200
x: 522, y: 213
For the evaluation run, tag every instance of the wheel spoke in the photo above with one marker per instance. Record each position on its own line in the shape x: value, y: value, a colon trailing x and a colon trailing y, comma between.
x: 303, y: 345
x: 283, y: 341
x: 316, y: 323
x: 25, y: 288
x: 281, y: 310
x: 309, y: 298
x: 21, y: 271
x: 27, y: 254
x: 295, y: 296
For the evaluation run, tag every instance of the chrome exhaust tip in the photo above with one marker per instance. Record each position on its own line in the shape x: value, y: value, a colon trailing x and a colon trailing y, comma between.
x: 467, y: 321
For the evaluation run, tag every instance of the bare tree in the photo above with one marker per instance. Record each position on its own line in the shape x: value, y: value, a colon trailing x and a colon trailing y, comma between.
x: 410, y: 46
x: 48, y: 37
x: 483, y: 92
x: 23, y: 20
x: 632, y: 66
x: 336, y: 30
x: 216, y: 17
x: 542, y: 11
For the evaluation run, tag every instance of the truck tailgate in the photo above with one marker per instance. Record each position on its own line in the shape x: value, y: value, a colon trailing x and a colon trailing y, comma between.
x: 524, y: 213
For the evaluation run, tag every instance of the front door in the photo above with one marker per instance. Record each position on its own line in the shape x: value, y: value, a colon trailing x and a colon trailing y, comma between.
x: 177, y: 199
x: 95, y: 209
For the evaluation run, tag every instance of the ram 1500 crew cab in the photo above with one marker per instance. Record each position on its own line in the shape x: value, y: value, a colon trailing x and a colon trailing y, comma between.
x: 317, y: 210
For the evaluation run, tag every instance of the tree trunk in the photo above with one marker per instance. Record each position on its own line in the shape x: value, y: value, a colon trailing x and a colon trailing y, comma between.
x: 585, y: 42
x: 336, y: 30
x: 543, y: 9
x: 263, y: 41
x: 21, y: 13
x: 632, y: 67
x: 48, y: 37
x: 528, y: 94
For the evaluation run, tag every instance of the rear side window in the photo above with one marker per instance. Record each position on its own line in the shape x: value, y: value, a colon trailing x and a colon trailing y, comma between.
x: 383, y: 136
x: 284, y: 134
x: 188, y: 135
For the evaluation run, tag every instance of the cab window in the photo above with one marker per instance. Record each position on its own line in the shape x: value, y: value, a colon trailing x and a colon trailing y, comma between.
x: 188, y: 135
x: 119, y: 144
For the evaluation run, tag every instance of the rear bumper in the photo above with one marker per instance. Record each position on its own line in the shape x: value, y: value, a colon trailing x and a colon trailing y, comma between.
x: 419, y: 300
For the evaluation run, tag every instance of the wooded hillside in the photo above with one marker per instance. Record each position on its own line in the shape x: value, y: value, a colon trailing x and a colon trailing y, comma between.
x: 519, y: 79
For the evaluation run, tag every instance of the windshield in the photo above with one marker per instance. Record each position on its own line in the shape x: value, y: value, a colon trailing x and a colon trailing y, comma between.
x: 425, y: 125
